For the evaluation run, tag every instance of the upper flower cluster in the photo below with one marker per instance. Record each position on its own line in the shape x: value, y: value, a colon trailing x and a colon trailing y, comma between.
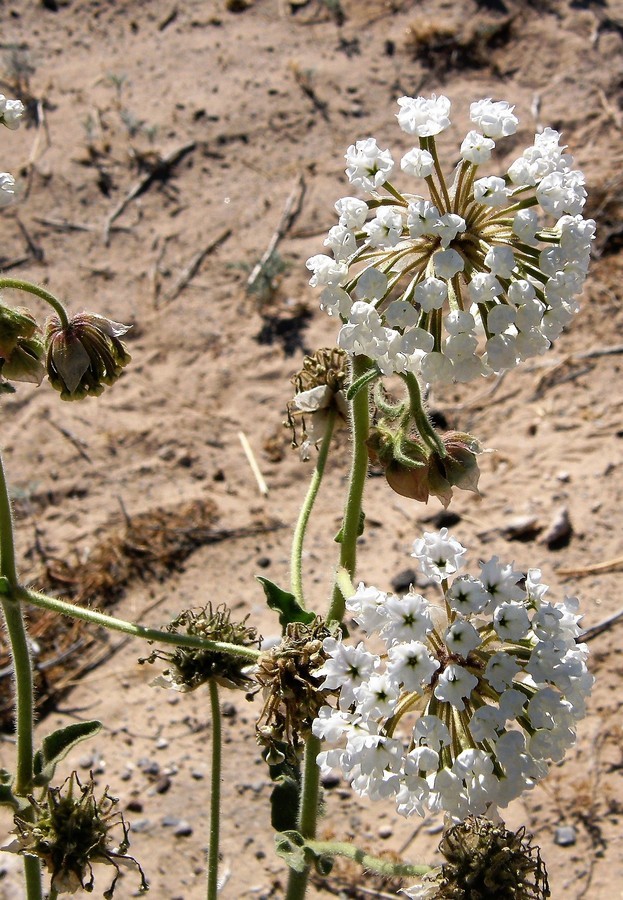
x: 481, y: 275
x: 495, y: 679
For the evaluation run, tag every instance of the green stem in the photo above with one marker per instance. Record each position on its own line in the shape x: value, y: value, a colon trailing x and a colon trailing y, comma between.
x: 424, y: 427
x: 215, y: 793
x: 370, y: 863
x: 140, y: 631
x: 360, y: 424
x: 22, y: 675
x: 308, y: 814
x: 19, y: 285
x: 296, y: 558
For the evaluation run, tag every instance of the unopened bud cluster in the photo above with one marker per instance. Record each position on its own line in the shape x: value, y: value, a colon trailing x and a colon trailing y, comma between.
x: 468, y: 703
x: 474, y: 278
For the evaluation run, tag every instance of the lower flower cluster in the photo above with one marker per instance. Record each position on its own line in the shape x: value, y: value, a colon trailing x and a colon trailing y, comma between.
x: 468, y: 702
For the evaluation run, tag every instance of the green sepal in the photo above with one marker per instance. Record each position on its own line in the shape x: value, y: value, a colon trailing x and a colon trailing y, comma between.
x: 57, y: 745
x: 362, y: 381
x: 339, y: 537
x: 284, y: 603
x: 290, y: 846
x: 323, y: 865
x: 7, y: 797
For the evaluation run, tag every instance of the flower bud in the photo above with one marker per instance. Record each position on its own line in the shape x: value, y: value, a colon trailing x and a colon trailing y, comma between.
x: 20, y: 346
x: 85, y: 356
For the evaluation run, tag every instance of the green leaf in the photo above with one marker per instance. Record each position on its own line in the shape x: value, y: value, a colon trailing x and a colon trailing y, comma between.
x: 57, y: 745
x: 290, y: 846
x: 339, y: 537
x: 362, y: 381
x: 285, y: 604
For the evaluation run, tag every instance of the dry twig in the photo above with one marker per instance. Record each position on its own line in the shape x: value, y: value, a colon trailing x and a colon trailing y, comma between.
x: 162, y: 168
x: 288, y: 217
x: 189, y: 272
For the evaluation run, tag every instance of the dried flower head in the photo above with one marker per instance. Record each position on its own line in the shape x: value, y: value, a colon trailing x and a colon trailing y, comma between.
x: 84, y: 356
x: 483, y: 274
x: 291, y: 689
x: 320, y: 393
x: 21, y: 347
x: 484, y: 861
x: 71, y: 831
x: 189, y: 668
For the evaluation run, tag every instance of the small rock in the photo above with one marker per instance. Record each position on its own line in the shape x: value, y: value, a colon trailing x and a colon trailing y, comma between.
x: 126, y: 775
x: 564, y: 477
x: 385, y: 831
x: 564, y: 836
x: 183, y: 829
x: 141, y: 825
x: 330, y: 780
x: 559, y: 531
x: 134, y: 806
x: 521, y: 528
x: 162, y: 744
x: 149, y: 766
x: 228, y: 710
x: 162, y: 785
x: 170, y: 821
x: 443, y: 519
x: 197, y: 775
x: 403, y: 580
x: 263, y: 562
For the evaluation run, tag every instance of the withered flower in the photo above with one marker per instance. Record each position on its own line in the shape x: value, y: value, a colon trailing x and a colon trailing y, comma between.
x: 291, y: 689
x: 189, y: 668
x: 485, y: 861
x: 21, y: 347
x: 71, y: 830
x: 320, y: 392
x: 84, y: 356
x: 413, y: 470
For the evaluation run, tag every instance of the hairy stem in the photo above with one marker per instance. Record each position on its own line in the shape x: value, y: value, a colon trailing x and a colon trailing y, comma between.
x: 370, y: 863
x: 360, y: 425
x: 140, y: 631
x: 22, y: 677
x: 308, y: 814
x: 296, y: 558
x: 19, y: 285
x: 422, y: 422
x: 215, y: 793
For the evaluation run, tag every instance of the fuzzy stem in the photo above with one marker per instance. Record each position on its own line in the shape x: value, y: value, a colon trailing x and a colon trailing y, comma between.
x: 22, y: 675
x: 19, y: 285
x: 296, y: 558
x: 215, y: 793
x: 424, y: 427
x: 308, y: 814
x: 140, y: 631
x: 360, y: 424
x: 370, y: 863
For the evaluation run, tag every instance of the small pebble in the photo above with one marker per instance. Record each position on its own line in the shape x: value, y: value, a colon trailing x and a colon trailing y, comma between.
x: 169, y: 821
x: 263, y: 562
x: 141, y: 825
x: 560, y: 530
x: 330, y: 780
x: 385, y: 831
x: 134, y: 806
x: 162, y: 785
x: 403, y: 580
x: 564, y: 836
x: 183, y: 829
x: 197, y: 775
x: 148, y: 766
x: 228, y: 710
x: 162, y: 744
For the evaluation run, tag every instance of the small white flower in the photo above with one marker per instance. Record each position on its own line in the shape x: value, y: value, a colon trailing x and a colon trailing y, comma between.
x: 368, y: 166
x: 327, y: 272
x: 439, y: 554
x: 461, y: 638
x: 11, y: 112
x: 447, y: 228
x: 418, y: 163
x: 491, y: 191
x: 7, y: 189
x: 352, y: 212
x: 431, y: 294
x: 448, y: 263
x: 455, y: 685
x: 412, y: 665
x: 495, y: 119
x: 422, y: 116
x: 476, y: 148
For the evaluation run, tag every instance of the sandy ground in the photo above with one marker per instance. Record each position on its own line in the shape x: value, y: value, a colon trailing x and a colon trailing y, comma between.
x: 254, y: 100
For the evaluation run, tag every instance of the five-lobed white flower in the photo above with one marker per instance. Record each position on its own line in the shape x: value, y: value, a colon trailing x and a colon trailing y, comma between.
x: 472, y: 700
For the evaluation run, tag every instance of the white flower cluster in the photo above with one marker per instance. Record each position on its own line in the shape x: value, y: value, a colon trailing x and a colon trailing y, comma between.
x: 466, y: 704
x: 11, y: 112
x: 484, y: 274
